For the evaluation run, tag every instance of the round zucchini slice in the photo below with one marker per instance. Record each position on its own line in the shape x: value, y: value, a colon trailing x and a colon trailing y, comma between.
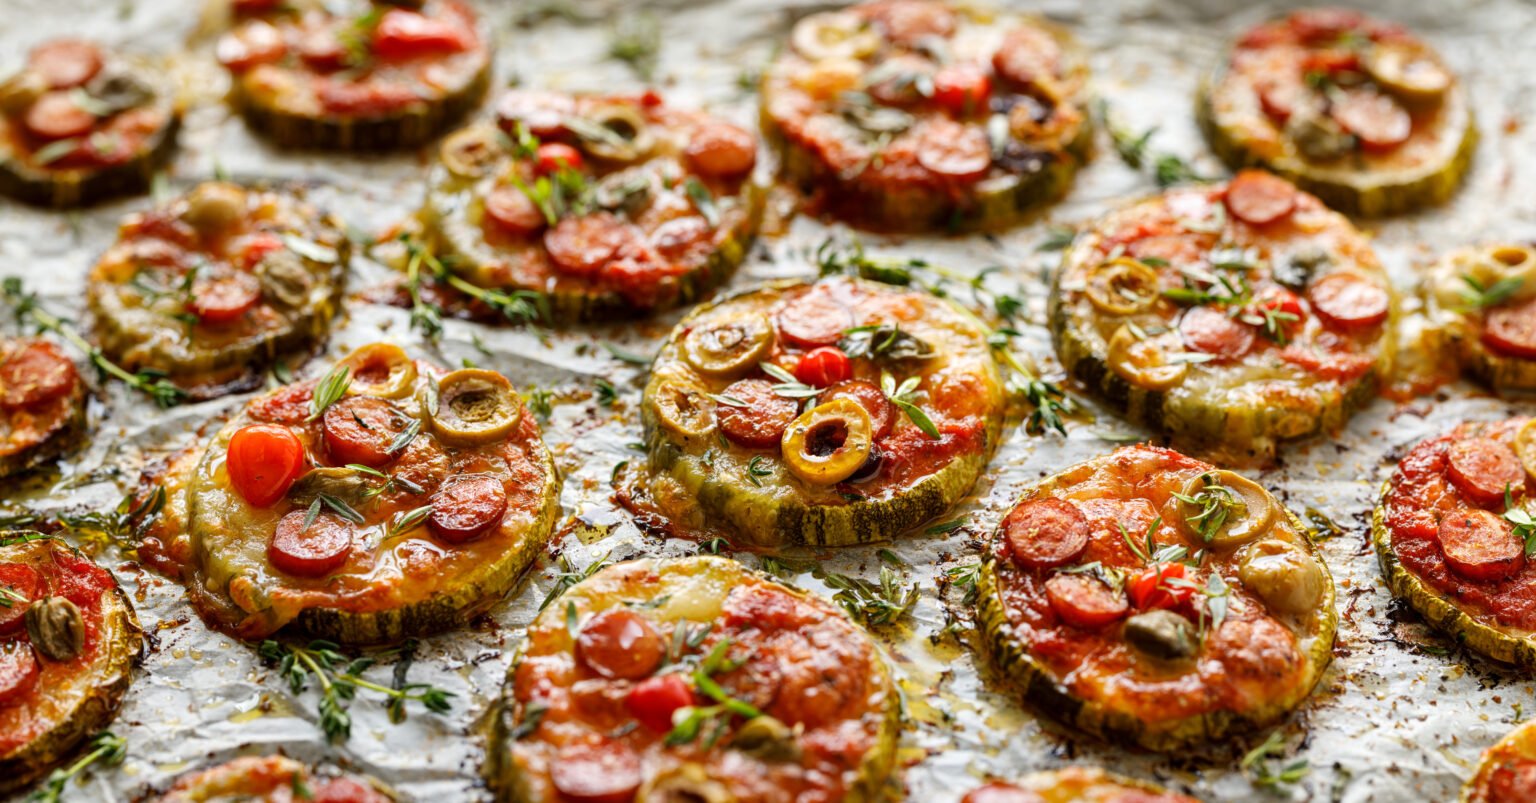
x: 272, y: 778
x: 213, y: 287
x: 692, y: 679
x: 69, y: 640
x: 1073, y: 785
x: 1255, y: 316
x: 1507, y: 772
x: 42, y: 404
x: 1445, y: 534
x: 361, y: 76
x: 79, y: 125
x: 1359, y: 112
x: 606, y: 205
x: 928, y: 114
x: 873, y: 409
x: 1484, y: 299
x: 1110, y: 598
x: 349, y: 517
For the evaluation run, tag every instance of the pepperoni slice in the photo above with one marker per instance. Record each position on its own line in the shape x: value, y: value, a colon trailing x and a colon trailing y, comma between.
x: 608, y: 772
x: 466, y: 507
x: 361, y: 429
x: 1280, y: 97
x: 403, y: 34
x: 761, y: 418
x: 18, y: 671
x: 224, y: 298
x: 1001, y: 793
x: 814, y: 318
x: 1348, y: 301
x: 1511, y: 330
x: 287, y: 405
x: 255, y: 43
x: 65, y: 63
x: 722, y: 150
x: 1028, y: 56
x: 1325, y: 24
x: 1377, y: 120
x: 1479, y: 545
x: 882, y: 414
x: 1481, y: 468
x: 512, y: 210
x: 1045, y: 533
x: 1259, y: 198
x: 953, y: 150
x: 1214, y: 332
x: 345, y: 790
x: 581, y: 245
x: 35, y: 373
x: 56, y: 116
x: 17, y: 580
x: 619, y: 643
x: 322, y: 49
x: 1082, y: 601
x: 1328, y: 359
x: 314, y: 551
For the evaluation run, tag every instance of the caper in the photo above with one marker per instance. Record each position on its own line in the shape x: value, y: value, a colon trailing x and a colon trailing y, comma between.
x: 475, y: 406
x: 1161, y: 634
x: 729, y: 347
x: 767, y: 738
x: 1283, y: 575
x: 829, y: 442
x: 215, y: 206
x: 56, y: 628
x: 616, y: 133
x: 684, y: 783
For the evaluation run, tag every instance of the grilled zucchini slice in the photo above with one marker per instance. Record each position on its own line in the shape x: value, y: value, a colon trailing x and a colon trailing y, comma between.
x: 269, y: 778
x: 1481, y: 298
x: 42, y: 404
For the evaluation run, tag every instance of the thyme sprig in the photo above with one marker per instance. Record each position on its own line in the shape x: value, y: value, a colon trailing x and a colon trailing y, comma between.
x: 1257, y: 764
x: 901, y: 396
x: 1213, y: 502
x: 1477, y: 295
x: 27, y: 308
x: 569, y: 575
x: 518, y: 307
x: 329, y: 390
x: 882, y: 603
x: 636, y: 41
x: 1136, y: 151
x: 715, y: 719
x: 340, y: 678
x: 106, y: 749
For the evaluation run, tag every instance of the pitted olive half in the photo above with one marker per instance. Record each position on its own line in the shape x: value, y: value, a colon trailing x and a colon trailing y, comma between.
x: 1142, y: 362
x: 1510, y: 264
x: 829, y: 442
x: 834, y: 34
x: 284, y: 277
x: 1161, y: 634
x: 475, y: 406
x: 684, y: 410
x: 215, y: 206
x: 1122, y: 287
x: 730, y: 347
x: 1225, y: 509
x: 381, y: 369
x: 684, y: 783
x: 471, y: 152
x: 1411, y: 72
x: 1283, y: 575
x: 616, y: 133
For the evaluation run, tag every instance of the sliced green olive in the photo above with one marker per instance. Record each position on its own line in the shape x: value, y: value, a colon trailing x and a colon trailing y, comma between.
x: 829, y: 442
x: 339, y: 482
x: 383, y: 370
x: 1411, y: 72
x: 1224, y: 509
x: 1161, y: 634
x: 768, y: 739
x: 1318, y: 137
x: 728, y: 348
x: 1283, y: 575
x: 1142, y: 363
x: 1525, y: 446
x: 1122, y: 287
x: 684, y: 783
x: 471, y: 151
x: 285, y: 278
x: 1513, y: 264
x: 215, y: 206
x: 834, y: 34
x: 475, y: 406
x: 684, y: 411
x: 616, y: 133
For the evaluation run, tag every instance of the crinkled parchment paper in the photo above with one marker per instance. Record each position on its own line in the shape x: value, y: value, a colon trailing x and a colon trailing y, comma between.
x: 1401, y: 715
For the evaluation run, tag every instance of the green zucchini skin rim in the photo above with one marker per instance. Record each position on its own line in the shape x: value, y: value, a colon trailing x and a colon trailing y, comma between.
x: 417, y: 125
x: 1437, y: 608
x: 1383, y: 197
x: 64, y: 189
x: 64, y: 438
x: 39, y: 756
x: 760, y: 523
x: 1033, y: 682
x: 875, y: 767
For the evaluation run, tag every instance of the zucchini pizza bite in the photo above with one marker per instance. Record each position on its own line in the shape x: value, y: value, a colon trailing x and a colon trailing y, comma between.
x: 606, y: 205
x: 68, y: 643
x: 1507, y: 773
x: 80, y: 124
x: 213, y: 287
x: 1485, y: 298
x: 1074, y: 785
x: 1359, y: 112
x: 42, y: 403
x: 387, y: 499
x: 693, y: 679
x: 903, y: 114
x: 1152, y: 599
x: 1453, y: 534
x: 275, y: 779
x: 355, y: 74
x: 1232, y: 317
x: 837, y: 412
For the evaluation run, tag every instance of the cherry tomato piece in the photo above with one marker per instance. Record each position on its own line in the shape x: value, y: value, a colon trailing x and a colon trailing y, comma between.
x: 19, y: 585
x: 225, y: 298
x: 1511, y: 330
x: 882, y: 414
x: 1348, y: 301
x: 721, y: 150
x: 1479, y: 545
x: 551, y: 156
x: 465, y: 508
x: 619, y: 643
x: 35, y: 373
x: 1152, y: 589
x: 56, y: 116
x: 652, y: 701
x: 18, y: 671
x: 313, y: 551
x: 1212, y: 331
x: 402, y: 34
x: 962, y: 88
x: 823, y: 367
x: 1482, y: 468
x: 512, y: 210
x: 263, y: 461
x: 361, y: 429
x: 1512, y: 779
x: 1259, y: 198
x: 66, y: 63
x: 252, y: 249
x: 1083, y: 601
x: 1045, y: 533
x: 760, y: 419
x: 608, y: 772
